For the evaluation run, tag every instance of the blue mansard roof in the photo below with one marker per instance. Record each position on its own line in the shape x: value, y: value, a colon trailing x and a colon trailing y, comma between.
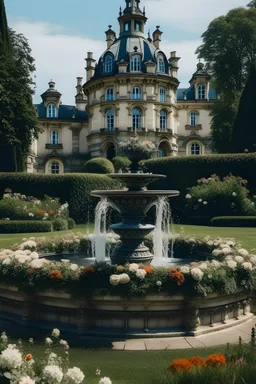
x: 65, y: 112
x: 190, y: 94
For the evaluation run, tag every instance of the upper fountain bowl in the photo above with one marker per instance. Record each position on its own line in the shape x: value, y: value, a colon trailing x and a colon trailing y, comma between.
x: 135, y: 181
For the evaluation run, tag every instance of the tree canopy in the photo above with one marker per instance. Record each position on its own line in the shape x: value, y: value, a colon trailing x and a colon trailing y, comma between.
x: 18, y: 121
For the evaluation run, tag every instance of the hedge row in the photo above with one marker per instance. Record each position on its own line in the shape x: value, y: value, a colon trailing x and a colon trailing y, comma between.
x: 25, y: 226
x: 72, y: 188
x: 182, y: 172
x: 234, y: 221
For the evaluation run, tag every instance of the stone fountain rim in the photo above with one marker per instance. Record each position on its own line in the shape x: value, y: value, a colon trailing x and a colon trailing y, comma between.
x: 129, y: 193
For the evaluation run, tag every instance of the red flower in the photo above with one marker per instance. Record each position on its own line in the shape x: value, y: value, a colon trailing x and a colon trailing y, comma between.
x: 217, y: 359
x: 55, y: 275
x: 180, y: 365
x: 149, y: 270
x: 178, y: 277
x: 89, y: 269
x: 197, y: 361
x: 31, y: 271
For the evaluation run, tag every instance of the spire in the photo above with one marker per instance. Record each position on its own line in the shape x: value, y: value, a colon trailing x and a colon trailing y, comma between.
x: 4, y: 32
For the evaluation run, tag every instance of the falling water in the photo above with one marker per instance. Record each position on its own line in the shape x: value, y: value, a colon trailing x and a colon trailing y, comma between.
x: 99, y: 238
x: 162, y: 235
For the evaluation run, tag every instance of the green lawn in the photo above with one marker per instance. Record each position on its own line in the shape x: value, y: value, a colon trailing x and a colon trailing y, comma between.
x: 247, y: 236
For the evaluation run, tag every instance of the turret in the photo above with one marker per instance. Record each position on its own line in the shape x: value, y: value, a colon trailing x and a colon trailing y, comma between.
x: 132, y: 19
x: 81, y: 99
x: 173, y: 64
x: 110, y: 36
x: 51, y: 95
x: 201, y: 82
x: 157, y: 37
x: 90, y: 67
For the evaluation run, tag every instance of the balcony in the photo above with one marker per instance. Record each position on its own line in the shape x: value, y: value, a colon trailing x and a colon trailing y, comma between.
x: 109, y: 131
x: 53, y: 146
x: 167, y: 131
x: 196, y: 127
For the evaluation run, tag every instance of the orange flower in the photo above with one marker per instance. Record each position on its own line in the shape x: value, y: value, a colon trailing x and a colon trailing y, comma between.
x: 120, y: 268
x: 28, y: 357
x: 217, y: 359
x: 178, y: 277
x: 197, y: 361
x: 41, y: 211
x: 173, y: 269
x: 88, y: 270
x: 55, y: 274
x: 149, y: 270
x: 51, y: 212
x: 31, y: 271
x: 180, y: 365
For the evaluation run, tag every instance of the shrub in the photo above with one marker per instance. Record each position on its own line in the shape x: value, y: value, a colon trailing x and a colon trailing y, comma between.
x: 72, y: 188
x: 122, y: 163
x: 60, y: 225
x: 71, y: 223
x: 99, y: 165
x: 234, y: 221
x: 212, y: 196
x: 25, y: 226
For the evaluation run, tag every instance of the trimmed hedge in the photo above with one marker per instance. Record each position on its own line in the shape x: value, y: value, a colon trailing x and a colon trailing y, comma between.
x: 71, y: 223
x: 182, y: 172
x: 122, y: 163
x: 234, y: 221
x: 73, y: 188
x: 99, y: 165
x: 60, y: 225
x: 25, y: 226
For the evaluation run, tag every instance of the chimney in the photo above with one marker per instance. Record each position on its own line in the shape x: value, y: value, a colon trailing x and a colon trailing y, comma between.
x: 90, y: 67
x: 173, y: 64
x: 110, y: 36
x: 157, y: 37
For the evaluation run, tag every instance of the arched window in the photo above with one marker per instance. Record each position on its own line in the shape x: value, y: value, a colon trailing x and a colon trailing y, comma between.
x: 108, y: 63
x: 135, y: 64
x: 110, y: 120
x: 201, y: 92
x: 160, y: 64
x: 136, y: 119
x: 109, y: 94
x: 163, y: 120
x: 162, y: 95
x: 136, y: 93
x: 51, y: 111
x: 195, y: 149
x: 163, y: 149
x: 193, y: 118
x: 54, y: 168
x: 54, y: 137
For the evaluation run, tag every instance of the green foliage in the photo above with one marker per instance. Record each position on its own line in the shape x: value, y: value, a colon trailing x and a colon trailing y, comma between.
x: 71, y: 223
x: 212, y: 196
x: 22, y: 226
x: 244, y: 134
x: 99, y: 165
x: 122, y: 163
x: 72, y: 188
x: 60, y: 225
x: 234, y: 221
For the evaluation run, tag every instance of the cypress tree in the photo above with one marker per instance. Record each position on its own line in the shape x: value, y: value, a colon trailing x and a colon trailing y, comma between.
x: 244, y: 132
x: 4, y: 32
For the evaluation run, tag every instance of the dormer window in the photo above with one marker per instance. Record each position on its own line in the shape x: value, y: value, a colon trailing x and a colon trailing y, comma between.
x: 201, y: 92
x: 108, y: 63
x: 109, y: 94
x: 54, y: 137
x: 136, y: 93
x: 135, y: 64
x: 160, y: 64
x: 137, y: 26
x: 51, y: 111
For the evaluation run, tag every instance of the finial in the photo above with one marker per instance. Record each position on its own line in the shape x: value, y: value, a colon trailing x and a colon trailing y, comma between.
x: 109, y: 26
x: 144, y: 11
x: 158, y: 26
x: 120, y: 11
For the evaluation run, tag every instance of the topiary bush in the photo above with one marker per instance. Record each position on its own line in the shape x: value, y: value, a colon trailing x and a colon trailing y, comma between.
x: 71, y: 223
x: 121, y: 163
x: 99, y: 165
x: 22, y: 226
x: 60, y: 225
x: 234, y: 221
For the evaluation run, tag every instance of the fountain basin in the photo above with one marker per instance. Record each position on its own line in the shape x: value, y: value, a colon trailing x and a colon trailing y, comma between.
x: 135, y: 181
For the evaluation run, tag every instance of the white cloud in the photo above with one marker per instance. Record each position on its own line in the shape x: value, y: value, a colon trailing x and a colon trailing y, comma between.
x: 60, y: 56
x: 189, y: 15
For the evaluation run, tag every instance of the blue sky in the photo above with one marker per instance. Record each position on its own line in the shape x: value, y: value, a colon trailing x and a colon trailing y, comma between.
x: 61, y: 32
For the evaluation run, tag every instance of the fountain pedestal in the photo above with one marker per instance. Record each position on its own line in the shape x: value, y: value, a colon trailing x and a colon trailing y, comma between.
x: 133, y: 204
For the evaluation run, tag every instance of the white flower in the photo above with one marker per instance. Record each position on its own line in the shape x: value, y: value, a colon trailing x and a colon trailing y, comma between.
x: 203, y: 266
x: 188, y: 196
x: 6, y: 261
x: 200, y: 200
x: 124, y: 278
x: 247, y: 266
x: 98, y: 372
x: 74, y: 375
x: 114, y: 280
x: 185, y: 269
x: 4, y: 337
x: 105, y: 380
x: 205, y: 202
x: 233, y: 194
x: 141, y: 273
x: 28, y: 244
x: 197, y: 274
x: 232, y: 264
x: 226, y: 251
x: 31, y: 340
x: 210, y: 243
x: 52, y: 358
x: 26, y: 380
x: 37, y: 263
x: 133, y: 267
x: 243, y: 252
x: 64, y: 343
x: 55, y: 332
x: 215, y: 263
x: 239, y: 259
x: 34, y: 255
x: 253, y: 259
x: 216, y: 252
x: 52, y: 374
x: 31, y: 214
x: 11, y: 358
x: 73, y: 267
x: 48, y: 341
x: 231, y: 243
x: 158, y: 283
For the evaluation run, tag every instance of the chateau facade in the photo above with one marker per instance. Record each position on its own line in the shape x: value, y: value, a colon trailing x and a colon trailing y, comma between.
x: 133, y: 88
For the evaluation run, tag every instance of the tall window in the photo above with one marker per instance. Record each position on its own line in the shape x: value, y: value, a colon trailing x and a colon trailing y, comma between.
x: 51, y: 111
x: 135, y: 64
x: 109, y: 94
x: 136, y: 93
x: 201, y: 92
x: 160, y: 64
x: 108, y: 63
x: 163, y: 120
x: 193, y: 119
x: 54, y: 137
x: 195, y: 149
x: 137, y: 26
x: 54, y: 167
x: 126, y: 27
x: 110, y: 120
x: 162, y: 95
x: 136, y: 119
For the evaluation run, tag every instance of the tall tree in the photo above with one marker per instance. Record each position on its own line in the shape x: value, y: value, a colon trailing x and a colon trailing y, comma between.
x: 18, y: 121
x: 244, y: 133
